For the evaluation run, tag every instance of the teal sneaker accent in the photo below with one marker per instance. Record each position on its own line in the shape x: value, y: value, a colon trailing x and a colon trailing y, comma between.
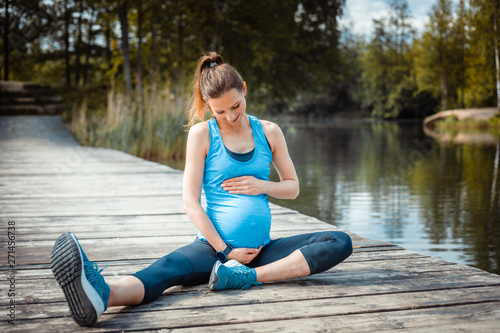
x: 83, y: 285
x: 232, y: 275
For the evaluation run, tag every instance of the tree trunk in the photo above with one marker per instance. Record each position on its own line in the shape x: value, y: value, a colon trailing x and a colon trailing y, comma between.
x: 66, y: 45
x: 153, y: 46
x: 6, y: 43
x: 180, y: 52
x: 139, y: 58
x: 125, y: 48
x: 496, y: 163
x: 107, y: 34
x: 497, y: 61
x: 78, y: 45
x: 444, y: 92
x: 462, y: 39
x: 89, y: 49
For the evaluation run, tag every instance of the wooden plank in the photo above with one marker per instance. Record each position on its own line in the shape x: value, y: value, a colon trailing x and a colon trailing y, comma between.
x: 144, y: 205
x: 465, y: 318
x: 73, y: 186
x: 102, y: 249
x: 359, y: 255
x: 82, y: 168
x: 177, y: 298
x: 194, y: 315
x: 127, y: 212
x: 349, y: 279
x: 91, y: 206
x: 121, y: 268
x: 289, y: 221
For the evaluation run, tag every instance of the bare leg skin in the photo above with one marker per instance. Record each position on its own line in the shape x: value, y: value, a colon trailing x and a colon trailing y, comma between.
x: 127, y: 291
x: 295, y: 265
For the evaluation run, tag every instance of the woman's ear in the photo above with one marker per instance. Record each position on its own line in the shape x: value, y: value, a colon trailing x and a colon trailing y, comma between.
x: 244, y: 88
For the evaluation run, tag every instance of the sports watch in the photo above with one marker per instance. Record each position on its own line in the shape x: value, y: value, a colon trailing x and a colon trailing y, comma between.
x: 222, y: 255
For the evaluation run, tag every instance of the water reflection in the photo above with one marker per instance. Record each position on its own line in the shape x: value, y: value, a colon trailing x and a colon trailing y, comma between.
x: 391, y: 182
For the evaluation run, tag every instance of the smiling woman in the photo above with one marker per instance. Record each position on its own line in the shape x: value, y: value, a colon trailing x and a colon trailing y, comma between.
x: 233, y: 248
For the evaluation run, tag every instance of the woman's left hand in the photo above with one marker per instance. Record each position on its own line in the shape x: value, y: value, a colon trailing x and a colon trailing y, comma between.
x: 248, y: 185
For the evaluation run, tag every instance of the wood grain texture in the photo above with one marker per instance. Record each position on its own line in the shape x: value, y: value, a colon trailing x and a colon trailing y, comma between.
x: 127, y: 212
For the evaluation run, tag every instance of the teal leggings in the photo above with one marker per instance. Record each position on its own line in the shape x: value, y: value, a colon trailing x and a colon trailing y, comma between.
x: 192, y: 264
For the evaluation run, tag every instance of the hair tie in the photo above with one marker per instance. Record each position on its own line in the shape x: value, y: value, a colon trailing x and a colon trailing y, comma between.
x: 213, y: 64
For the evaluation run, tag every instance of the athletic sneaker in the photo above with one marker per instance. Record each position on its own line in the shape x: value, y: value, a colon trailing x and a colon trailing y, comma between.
x: 81, y: 281
x: 232, y: 275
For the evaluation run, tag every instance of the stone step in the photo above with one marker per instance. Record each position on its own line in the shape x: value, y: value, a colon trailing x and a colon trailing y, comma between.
x: 39, y: 100
x: 28, y: 98
x: 16, y: 100
x: 55, y: 108
x: 9, y: 110
x: 49, y: 99
x: 18, y: 85
x: 15, y: 93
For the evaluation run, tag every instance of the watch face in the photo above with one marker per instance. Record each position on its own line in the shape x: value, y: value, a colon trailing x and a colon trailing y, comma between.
x: 221, y: 256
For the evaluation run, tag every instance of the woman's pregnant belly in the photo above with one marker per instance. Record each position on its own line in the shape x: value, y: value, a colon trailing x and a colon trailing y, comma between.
x: 242, y: 220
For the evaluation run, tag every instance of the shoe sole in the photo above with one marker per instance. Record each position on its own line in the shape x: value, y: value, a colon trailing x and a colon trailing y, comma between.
x: 67, y: 266
x: 214, y: 278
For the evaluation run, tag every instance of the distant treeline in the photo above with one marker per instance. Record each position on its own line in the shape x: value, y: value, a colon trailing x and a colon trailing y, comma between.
x: 291, y: 53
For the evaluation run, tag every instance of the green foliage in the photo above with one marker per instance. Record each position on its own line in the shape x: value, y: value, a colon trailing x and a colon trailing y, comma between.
x: 452, y: 61
x: 157, y: 133
x: 387, y: 86
x: 453, y: 123
x: 291, y: 53
x: 282, y: 48
x: 495, y: 121
x: 406, y: 101
x: 438, y: 57
x: 481, y: 87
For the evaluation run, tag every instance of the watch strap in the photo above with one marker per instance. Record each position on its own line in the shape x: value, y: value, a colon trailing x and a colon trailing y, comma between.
x: 228, y: 249
x: 222, y: 255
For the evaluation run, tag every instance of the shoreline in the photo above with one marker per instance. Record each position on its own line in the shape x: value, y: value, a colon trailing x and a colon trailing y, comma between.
x: 474, y: 114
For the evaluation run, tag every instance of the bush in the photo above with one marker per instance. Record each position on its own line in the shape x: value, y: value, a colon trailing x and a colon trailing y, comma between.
x: 407, y: 102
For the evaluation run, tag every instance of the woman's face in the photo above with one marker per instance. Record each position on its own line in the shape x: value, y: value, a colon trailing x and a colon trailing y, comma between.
x: 230, y: 107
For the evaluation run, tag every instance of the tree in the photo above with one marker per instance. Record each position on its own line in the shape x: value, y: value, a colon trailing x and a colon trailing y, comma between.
x: 482, y: 70
x: 497, y: 60
x: 436, y: 54
x: 78, y: 46
x: 139, y: 57
x: 461, y: 45
x: 386, y: 66
x: 122, y: 13
x: 6, y: 43
x: 286, y: 50
x: 67, y: 15
x: 154, y: 49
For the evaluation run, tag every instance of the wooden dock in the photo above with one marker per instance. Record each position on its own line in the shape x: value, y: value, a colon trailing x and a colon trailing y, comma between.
x: 127, y: 212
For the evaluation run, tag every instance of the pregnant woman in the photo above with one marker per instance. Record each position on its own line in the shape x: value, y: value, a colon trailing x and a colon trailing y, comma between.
x: 228, y: 157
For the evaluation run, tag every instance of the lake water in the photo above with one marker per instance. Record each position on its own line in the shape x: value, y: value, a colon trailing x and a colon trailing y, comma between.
x: 389, y: 181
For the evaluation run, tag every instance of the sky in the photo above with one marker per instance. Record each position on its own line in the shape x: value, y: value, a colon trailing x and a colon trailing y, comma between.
x: 361, y: 13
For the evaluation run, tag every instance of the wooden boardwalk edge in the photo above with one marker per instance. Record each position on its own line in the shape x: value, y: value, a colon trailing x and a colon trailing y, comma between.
x: 127, y: 212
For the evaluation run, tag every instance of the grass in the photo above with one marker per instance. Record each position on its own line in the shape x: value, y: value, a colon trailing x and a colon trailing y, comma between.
x: 108, y: 118
x: 453, y: 122
x: 454, y: 125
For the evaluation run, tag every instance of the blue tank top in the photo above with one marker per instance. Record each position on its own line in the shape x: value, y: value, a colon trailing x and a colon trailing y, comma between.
x: 241, y: 220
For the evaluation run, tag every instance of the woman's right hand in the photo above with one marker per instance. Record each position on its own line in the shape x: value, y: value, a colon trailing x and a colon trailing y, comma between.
x: 244, y: 255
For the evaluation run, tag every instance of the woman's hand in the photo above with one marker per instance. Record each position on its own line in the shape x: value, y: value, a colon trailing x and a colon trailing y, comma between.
x: 248, y: 185
x: 244, y: 255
